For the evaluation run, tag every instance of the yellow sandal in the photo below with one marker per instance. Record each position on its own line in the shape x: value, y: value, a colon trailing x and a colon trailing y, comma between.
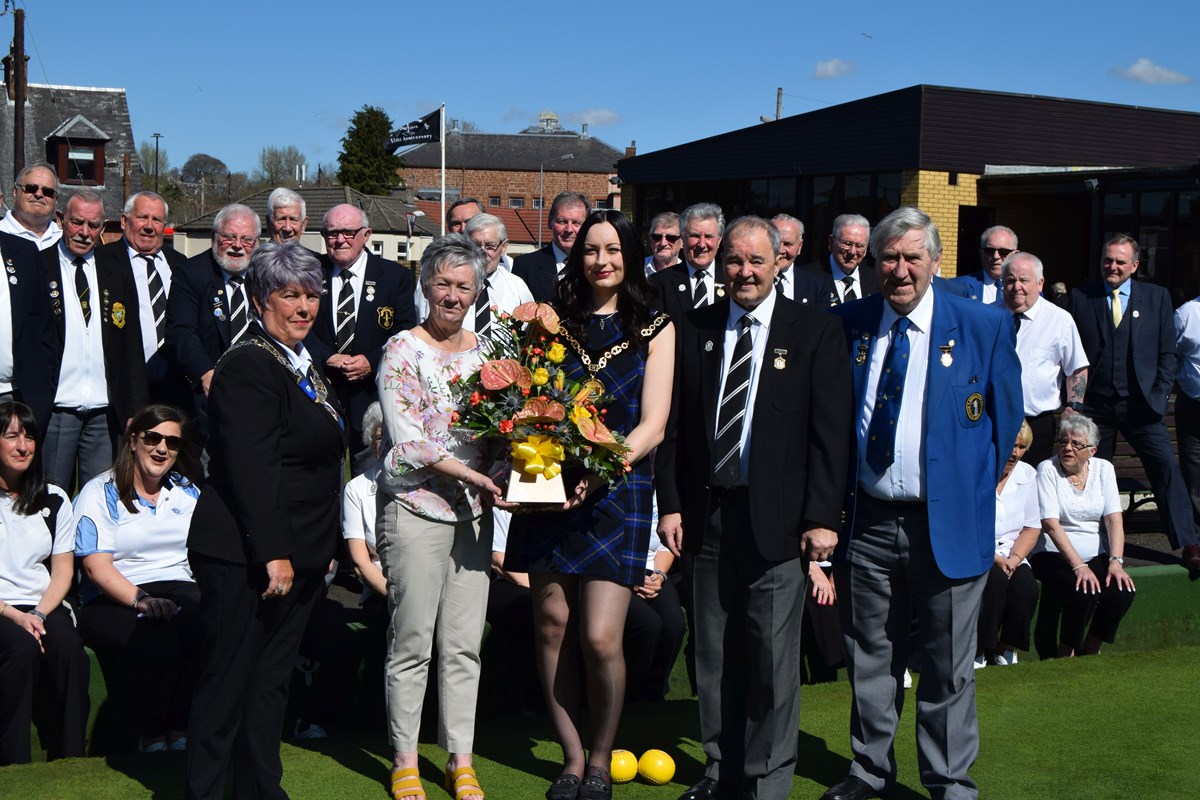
x: 462, y: 782
x: 407, y: 783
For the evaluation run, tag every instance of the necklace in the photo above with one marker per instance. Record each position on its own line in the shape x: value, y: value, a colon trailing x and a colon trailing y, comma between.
x: 1078, y: 481
x: 604, y: 318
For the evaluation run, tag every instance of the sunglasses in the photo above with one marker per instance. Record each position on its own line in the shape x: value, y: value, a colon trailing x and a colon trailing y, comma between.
x: 154, y: 438
x: 1003, y: 252
x: 665, y: 237
x: 32, y: 188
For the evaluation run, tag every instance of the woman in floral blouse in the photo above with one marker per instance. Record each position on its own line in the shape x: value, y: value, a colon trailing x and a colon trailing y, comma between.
x: 434, y: 557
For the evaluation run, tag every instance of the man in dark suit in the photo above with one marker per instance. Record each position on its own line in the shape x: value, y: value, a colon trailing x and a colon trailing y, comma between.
x: 937, y: 388
x: 1129, y: 337
x: 28, y: 361
x: 101, y: 364
x: 209, y: 308
x: 749, y: 480
x: 847, y: 249
x: 141, y: 251
x: 693, y: 283
x: 367, y: 300
x: 995, y: 244
x: 541, y: 268
x: 804, y: 286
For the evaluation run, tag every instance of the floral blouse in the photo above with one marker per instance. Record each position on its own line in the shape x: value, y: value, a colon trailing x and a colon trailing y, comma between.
x: 414, y: 394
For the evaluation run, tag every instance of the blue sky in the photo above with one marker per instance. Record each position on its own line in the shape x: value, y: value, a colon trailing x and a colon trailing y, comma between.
x: 227, y: 78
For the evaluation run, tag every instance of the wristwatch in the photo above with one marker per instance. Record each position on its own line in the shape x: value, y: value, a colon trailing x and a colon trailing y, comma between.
x: 1077, y: 406
x: 1117, y: 559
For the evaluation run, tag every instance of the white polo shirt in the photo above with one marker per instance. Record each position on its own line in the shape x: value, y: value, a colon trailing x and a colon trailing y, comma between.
x: 25, y: 543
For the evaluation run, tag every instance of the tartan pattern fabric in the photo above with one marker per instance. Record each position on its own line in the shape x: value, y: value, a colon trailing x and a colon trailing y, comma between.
x: 609, y: 535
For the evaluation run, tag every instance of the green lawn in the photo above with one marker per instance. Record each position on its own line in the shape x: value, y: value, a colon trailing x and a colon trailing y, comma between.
x: 1117, y: 726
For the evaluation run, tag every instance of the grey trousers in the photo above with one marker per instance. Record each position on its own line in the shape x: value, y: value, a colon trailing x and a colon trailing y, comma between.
x: 889, y: 577
x: 77, y: 436
x: 747, y: 613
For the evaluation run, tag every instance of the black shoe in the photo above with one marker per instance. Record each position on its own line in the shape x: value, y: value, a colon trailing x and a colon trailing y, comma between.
x: 596, y: 786
x: 704, y: 789
x: 565, y: 787
x: 850, y: 789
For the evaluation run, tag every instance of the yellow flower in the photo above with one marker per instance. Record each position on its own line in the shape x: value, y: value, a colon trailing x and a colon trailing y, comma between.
x: 557, y: 353
x: 560, y: 380
x: 579, y: 412
x: 540, y: 456
x: 540, y: 376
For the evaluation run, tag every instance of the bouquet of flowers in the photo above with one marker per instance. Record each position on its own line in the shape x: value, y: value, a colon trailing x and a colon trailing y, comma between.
x: 523, y: 397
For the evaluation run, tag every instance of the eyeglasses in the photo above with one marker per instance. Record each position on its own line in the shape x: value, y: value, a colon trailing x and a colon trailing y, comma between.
x: 154, y: 438
x: 347, y: 234
x: 1072, y: 445
x: 855, y: 246
x: 33, y: 188
x: 1003, y: 252
x: 244, y: 241
x: 491, y: 247
x: 665, y: 237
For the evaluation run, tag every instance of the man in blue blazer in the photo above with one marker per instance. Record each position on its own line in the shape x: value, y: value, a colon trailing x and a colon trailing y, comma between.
x: 1133, y: 355
x: 938, y: 397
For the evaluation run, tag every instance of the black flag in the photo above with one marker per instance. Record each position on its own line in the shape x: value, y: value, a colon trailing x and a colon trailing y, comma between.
x: 426, y: 129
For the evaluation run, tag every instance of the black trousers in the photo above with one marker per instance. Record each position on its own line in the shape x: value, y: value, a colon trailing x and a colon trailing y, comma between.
x: 1008, y: 606
x: 1104, y: 610
x: 159, y: 661
x: 250, y: 649
x: 653, y: 636
x: 1045, y: 431
x: 67, y: 668
x: 1187, y: 429
x: 337, y: 650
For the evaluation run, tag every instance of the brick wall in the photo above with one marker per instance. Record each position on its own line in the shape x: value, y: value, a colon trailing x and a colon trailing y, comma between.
x: 506, y: 184
x: 932, y: 193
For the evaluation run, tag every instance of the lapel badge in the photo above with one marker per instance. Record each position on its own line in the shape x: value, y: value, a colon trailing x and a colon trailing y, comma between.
x: 1136, y: 314
x: 118, y: 314
x: 860, y: 357
x: 720, y: 291
x: 219, y: 313
x: 12, y: 279
x: 53, y: 284
x: 780, y: 358
x: 947, y: 353
x: 385, y: 316
x: 54, y: 294
x: 682, y: 288
x: 708, y: 346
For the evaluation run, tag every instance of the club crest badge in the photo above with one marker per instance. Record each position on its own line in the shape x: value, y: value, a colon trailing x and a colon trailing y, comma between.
x: 385, y: 316
x: 974, y: 407
x: 118, y: 314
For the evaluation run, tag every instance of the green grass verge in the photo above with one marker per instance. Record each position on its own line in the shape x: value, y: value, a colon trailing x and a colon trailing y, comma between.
x: 1117, y: 726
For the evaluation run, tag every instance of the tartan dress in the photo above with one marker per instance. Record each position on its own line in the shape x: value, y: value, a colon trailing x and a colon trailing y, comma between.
x: 609, y: 535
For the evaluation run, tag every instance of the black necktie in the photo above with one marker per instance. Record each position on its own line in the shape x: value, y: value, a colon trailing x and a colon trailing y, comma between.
x: 1017, y: 321
x: 881, y: 436
x: 732, y: 411
x: 848, y: 282
x: 83, y: 290
x: 239, y: 316
x: 345, y: 312
x: 700, y: 294
x: 483, y: 311
x: 781, y: 284
x: 158, y: 300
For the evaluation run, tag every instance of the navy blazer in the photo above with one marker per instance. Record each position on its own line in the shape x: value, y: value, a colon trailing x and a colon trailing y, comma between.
x: 674, y: 288
x: 198, y: 316
x: 1151, y: 337
x: 973, y: 410
x: 34, y: 350
x: 868, y: 280
x: 382, y: 313
x: 813, y: 288
x: 116, y: 301
x: 539, y: 270
x: 801, y: 423
x: 972, y: 284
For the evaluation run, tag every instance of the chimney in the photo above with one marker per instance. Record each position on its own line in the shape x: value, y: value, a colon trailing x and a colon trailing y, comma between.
x: 631, y: 151
x: 584, y: 134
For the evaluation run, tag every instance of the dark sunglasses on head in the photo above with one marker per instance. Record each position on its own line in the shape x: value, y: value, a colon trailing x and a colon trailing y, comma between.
x: 32, y: 188
x: 153, y: 438
x: 669, y: 237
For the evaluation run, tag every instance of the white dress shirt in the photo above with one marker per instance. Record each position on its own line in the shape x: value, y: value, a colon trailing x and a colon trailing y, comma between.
x: 505, y: 291
x: 904, y: 480
x: 1049, y: 348
x: 1187, y: 337
x: 145, y: 309
x: 358, y: 271
x: 758, y: 337
x: 82, y: 382
x: 560, y: 259
x: 52, y: 234
x: 839, y: 280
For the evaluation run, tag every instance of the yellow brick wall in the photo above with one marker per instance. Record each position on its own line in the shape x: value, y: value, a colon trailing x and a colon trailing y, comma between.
x: 932, y: 193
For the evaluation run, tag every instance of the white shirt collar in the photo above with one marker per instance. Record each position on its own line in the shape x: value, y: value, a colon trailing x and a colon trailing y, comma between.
x: 920, y: 317
x: 762, y: 312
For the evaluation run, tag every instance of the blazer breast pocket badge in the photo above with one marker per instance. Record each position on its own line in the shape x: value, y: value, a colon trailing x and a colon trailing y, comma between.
x: 385, y: 316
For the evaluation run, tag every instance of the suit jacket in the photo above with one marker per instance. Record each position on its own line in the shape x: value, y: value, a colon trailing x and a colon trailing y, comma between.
x: 674, y: 288
x: 801, y: 424
x: 868, y: 280
x: 1151, y: 337
x: 381, y: 315
x: 813, y: 288
x: 539, y: 270
x: 956, y: 288
x: 972, y: 284
x: 116, y: 301
x: 35, y: 356
x: 275, y: 469
x: 196, y: 335
x: 973, y: 410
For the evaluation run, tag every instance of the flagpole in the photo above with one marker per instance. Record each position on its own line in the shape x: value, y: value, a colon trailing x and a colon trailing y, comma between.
x: 442, y: 139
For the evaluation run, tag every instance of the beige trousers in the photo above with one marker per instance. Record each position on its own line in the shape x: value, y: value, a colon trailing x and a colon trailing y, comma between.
x: 437, y: 578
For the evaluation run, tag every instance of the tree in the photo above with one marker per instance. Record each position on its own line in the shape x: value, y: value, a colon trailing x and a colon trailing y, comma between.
x: 146, y: 158
x: 203, y: 167
x: 326, y: 174
x: 364, y: 164
x: 277, y: 166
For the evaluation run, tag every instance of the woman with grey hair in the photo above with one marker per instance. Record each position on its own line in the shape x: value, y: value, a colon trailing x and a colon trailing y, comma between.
x: 435, y: 558
x: 265, y: 527
x: 1082, y: 564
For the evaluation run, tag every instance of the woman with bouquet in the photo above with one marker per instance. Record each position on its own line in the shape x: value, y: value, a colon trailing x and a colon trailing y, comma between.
x: 586, y: 557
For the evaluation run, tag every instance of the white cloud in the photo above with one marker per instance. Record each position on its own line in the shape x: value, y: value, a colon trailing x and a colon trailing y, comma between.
x: 1146, y: 71
x: 596, y: 117
x: 833, y: 68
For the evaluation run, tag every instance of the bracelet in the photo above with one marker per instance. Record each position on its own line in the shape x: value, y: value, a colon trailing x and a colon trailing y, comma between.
x: 659, y: 573
x: 39, y: 615
x: 1011, y: 554
x: 1082, y: 564
x: 139, y: 597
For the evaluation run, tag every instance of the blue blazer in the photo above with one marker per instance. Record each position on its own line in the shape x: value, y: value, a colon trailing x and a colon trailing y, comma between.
x: 971, y: 285
x: 973, y: 410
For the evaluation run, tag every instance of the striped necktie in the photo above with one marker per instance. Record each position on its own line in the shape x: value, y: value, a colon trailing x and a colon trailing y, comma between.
x: 483, y: 311
x: 732, y: 411
x: 83, y: 290
x: 239, y: 316
x: 158, y: 300
x: 345, y: 312
x: 700, y: 294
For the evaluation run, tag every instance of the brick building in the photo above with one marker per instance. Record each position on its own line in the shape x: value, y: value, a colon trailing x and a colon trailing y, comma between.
x: 969, y: 158
x: 502, y: 169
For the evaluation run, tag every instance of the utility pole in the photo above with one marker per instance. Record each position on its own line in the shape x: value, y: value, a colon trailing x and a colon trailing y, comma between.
x: 20, y: 79
x: 156, y: 136
x: 778, y: 106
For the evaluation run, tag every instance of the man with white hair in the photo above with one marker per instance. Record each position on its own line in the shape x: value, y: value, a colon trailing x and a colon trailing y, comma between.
x: 34, y: 201
x: 1049, y: 348
x: 847, y: 249
x: 287, y: 215
x: 803, y: 286
x: 996, y: 244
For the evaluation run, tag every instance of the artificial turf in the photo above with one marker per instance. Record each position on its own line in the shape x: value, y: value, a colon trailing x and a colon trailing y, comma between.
x: 1116, y: 726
